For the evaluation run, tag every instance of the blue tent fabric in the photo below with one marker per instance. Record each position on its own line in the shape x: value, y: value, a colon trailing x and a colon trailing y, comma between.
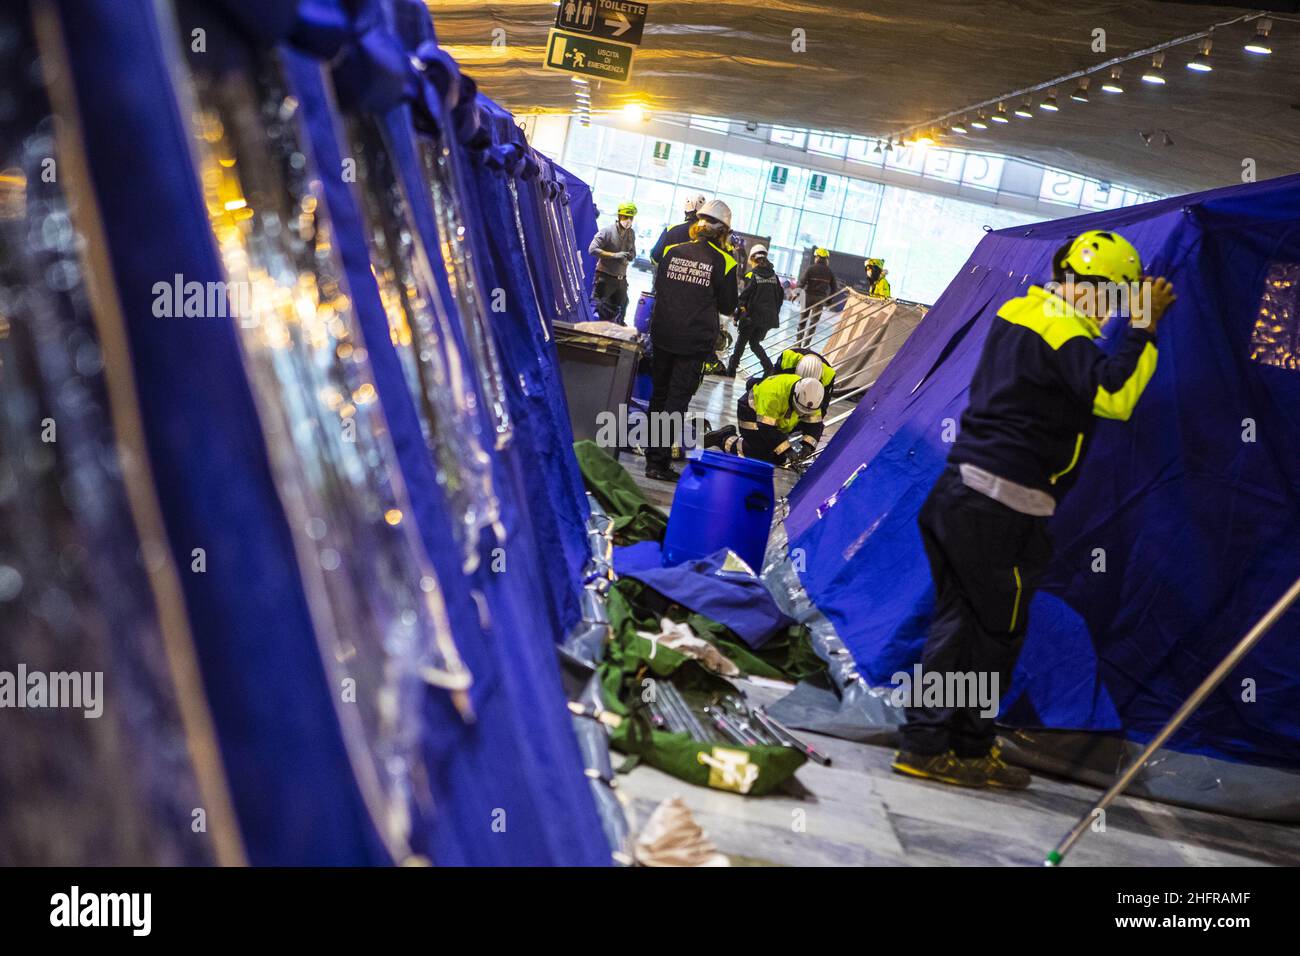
x: 582, y: 207
x: 284, y: 756
x: 630, y: 558
x: 528, y: 350
x: 1198, y: 526
x: 735, y: 598
x: 520, y: 758
x: 510, y: 788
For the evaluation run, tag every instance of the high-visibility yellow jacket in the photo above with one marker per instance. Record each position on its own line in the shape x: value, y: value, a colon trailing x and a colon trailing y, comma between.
x: 772, y: 400
x: 1041, y: 384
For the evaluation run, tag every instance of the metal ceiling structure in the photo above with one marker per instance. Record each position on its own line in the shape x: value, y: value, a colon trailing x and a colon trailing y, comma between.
x: 882, y: 67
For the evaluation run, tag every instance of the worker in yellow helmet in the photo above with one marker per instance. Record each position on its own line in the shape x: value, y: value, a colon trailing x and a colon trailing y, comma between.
x: 818, y: 283
x: 1040, y: 386
x: 614, y: 248
x: 877, y: 284
x: 771, y: 414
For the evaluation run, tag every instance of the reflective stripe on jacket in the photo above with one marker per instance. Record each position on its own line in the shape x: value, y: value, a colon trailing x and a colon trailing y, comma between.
x: 772, y: 400
x: 1041, y: 384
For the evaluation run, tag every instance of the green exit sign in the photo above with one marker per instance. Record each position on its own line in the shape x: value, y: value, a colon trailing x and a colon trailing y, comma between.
x: 818, y: 183
x: 586, y: 56
x: 702, y: 157
x: 780, y: 175
x: 663, y: 150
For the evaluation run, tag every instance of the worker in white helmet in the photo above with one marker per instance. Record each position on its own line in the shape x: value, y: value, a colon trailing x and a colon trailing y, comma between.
x: 771, y: 413
x: 694, y: 284
x: 681, y: 232
x: 808, y: 364
x: 759, y: 311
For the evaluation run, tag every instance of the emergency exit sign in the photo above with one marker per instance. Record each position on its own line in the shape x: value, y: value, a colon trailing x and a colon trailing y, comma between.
x: 818, y: 183
x: 780, y: 176
x: 586, y: 56
x: 701, y: 160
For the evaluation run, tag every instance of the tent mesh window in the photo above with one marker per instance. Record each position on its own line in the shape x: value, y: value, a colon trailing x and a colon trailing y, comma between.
x: 1275, y: 340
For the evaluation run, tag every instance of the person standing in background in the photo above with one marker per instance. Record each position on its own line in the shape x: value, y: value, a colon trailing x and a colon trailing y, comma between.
x: 695, y: 282
x: 678, y: 233
x: 759, y: 311
x: 818, y: 283
x: 877, y: 284
x: 614, y: 248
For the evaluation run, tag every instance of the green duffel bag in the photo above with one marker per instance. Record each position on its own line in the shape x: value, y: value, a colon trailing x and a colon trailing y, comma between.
x: 630, y: 676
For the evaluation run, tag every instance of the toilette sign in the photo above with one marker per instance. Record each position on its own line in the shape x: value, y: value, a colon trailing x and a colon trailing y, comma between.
x: 620, y: 20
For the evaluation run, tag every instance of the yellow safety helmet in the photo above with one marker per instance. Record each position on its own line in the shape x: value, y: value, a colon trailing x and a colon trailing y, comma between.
x: 1102, y: 255
x: 627, y: 209
x: 821, y: 254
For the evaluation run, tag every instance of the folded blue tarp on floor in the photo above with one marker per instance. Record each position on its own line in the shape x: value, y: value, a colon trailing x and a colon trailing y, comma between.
x: 1194, y: 504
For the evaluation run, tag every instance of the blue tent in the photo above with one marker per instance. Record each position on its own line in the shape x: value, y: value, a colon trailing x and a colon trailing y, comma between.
x: 320, y: 634
x: 1192, y: 508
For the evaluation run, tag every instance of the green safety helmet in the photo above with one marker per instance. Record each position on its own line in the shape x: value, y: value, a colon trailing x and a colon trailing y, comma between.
x: 627, y: 209
x: 1102, y: 255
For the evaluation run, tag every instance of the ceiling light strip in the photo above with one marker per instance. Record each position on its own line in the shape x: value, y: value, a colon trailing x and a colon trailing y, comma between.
x: 1089, y: 71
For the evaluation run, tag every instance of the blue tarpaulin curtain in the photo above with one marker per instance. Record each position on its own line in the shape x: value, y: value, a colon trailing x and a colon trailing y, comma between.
x: 1194, y: 503
x: 508, y: 788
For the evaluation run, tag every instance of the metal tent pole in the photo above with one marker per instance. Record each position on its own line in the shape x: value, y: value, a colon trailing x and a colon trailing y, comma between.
x: 1244, y: 646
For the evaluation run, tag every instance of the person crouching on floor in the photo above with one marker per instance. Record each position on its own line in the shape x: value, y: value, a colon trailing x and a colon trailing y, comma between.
x: 695, y: 281
x: 771, y: 414
x: 1036, y: 394
x: 809, y: 364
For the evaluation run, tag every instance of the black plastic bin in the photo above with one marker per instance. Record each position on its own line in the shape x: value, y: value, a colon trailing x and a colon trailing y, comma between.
x: 599, y: 373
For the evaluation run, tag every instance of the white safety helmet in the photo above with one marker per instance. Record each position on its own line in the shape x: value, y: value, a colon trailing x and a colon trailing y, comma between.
x: 810, y: 366
x: 693, y: 203
x: 716, y: 209
x: 758, y: 251
x: 808, y: 395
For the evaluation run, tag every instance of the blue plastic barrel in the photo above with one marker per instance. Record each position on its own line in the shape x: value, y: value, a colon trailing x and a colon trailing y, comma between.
x: 644, y: 306
x: 722, y: 501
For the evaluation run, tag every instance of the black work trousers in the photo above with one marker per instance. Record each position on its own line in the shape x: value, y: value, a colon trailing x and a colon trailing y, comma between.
x: 808, y: 320
x: 749, y: 334
x: 675, y: 379
x: 755, y: 439
x: 610, y: 294
x: 985, y: 559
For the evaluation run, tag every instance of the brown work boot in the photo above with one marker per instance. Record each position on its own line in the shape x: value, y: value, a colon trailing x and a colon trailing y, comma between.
x: 945, y: 768
x: 998, y: 773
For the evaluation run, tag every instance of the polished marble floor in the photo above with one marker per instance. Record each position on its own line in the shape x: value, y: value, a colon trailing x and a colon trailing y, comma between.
x: 858, y: 812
